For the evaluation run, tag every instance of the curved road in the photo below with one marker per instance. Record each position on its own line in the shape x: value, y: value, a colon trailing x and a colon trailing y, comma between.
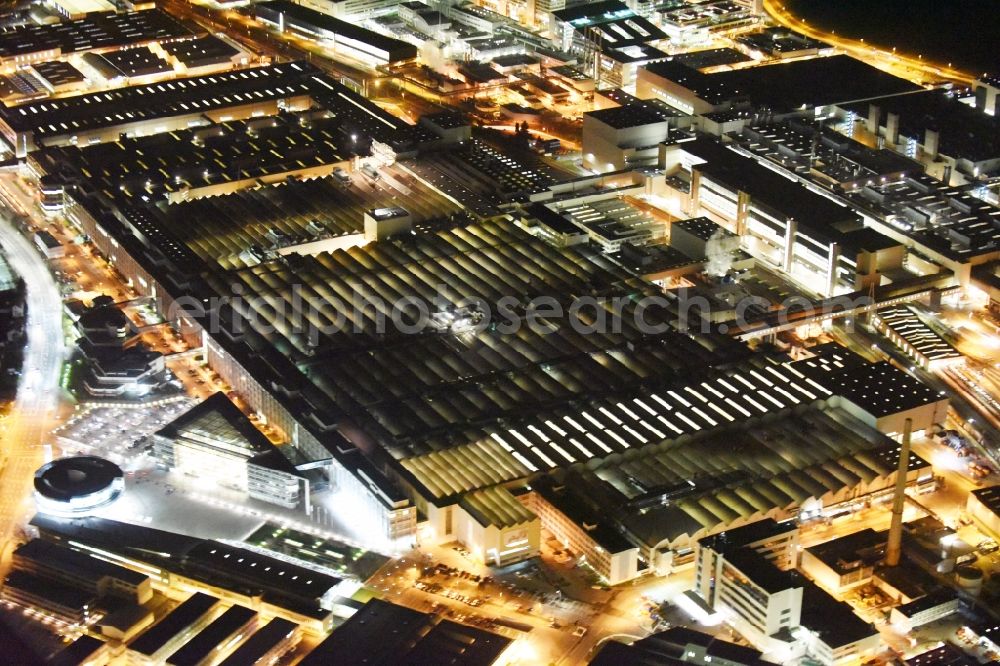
x: 34, y: 412
x: 907, y: 67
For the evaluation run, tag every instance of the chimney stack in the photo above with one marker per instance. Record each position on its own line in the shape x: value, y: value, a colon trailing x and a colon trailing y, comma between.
x: 893, y: 549
x: 892, y: 129
x: 932, y: 139
x: 874, y: 118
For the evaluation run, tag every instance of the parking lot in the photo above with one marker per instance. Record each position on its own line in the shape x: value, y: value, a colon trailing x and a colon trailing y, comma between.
x: 117, y: 432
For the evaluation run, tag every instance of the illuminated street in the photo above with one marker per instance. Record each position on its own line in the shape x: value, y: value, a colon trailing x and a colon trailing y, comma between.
x: 25, y: 433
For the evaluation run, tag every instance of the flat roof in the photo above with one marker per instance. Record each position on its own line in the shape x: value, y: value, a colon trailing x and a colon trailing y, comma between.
x: 199, y: 646
x: 446, y: 119
x: 833, y: 621
x: 964, y: 132
x: 201, y: 51
x: 740, y: 537
x: 935, y: 598
x: 762, y: 572
x: 867, y: 240
x: 212, y: 562
x: 668, y: 647
x: 630, y: 115
x: 177, y: 97
x: 94, y: 32
x: 454, y: 643
x: 712, y: 58
x: 880, y: 388
x: 789, y: 86
x: 57, y: 72
x: 261, y: 642
x: 593, y: 10
x: 946, y: 655
x: 64, y: 479
x: 801, y: 144
x: 310, y: 19
x: 514, y: 60
x: 179, y: 619
x: 700, y: 227
x: 945, y: 219
x: 379, y: 633
x: 780, y: 195
x: 76, y: 563
x: 778, y: 39
x: 251, y: 570
x: 847, y: 553
x: 47, y: 588
x: 388, y: 212
x: 76, y: 653
x: 196, y: 158
x: 621, y: 32
x: 128, y: 63
x: 384, y: 634
x: 989, y: 497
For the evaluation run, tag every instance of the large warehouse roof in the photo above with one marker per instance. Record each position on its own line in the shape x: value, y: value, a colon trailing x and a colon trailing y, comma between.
x: 179, y: 97
x: 448, y: 383
x: 614, y: 426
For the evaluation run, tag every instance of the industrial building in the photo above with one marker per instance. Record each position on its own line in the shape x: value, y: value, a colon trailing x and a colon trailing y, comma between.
x: 984, y: 505
x: 846, y: 562
x: 787, y: 89
x: 84, y: 651
x: 627, y: 136
x: 959, y: 142
x: 347, y: 36
x: 880, y: 394
x: 36, y: 43
x: 690, y: 24
x: 907, y: 207
x: 193, y: 56
x: 677, y: 645
x: 263, y: 583
x: 583, y: 529
x: 934, y: 606
x: 157, y: 107
x: 383, y: 634
x: 792, y: 229
x: 448, y: 428
x: 98, y: 577
x: 159, y: 641
x: 213, y: 640
x: 903, y: 325
x: 779, y: 43
x: 750, y: 572
x: 63, y: 603
x: 267, y: 643
x: 590, y: 28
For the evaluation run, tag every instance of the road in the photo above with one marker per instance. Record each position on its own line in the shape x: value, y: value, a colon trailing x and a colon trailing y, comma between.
x: 914, y: 69
x: 38, y: 397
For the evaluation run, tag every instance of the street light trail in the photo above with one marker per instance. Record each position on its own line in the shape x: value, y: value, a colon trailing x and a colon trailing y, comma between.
x: 898, y: 64
x: 38, y: 395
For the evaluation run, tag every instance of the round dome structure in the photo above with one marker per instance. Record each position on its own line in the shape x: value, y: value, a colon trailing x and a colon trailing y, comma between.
x: 77, y: 485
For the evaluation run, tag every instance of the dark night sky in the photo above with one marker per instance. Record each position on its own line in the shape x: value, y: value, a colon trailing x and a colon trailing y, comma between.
x: 963, y: 32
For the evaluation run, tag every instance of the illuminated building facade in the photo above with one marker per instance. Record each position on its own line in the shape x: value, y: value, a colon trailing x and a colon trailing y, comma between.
x: 217, y: 444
